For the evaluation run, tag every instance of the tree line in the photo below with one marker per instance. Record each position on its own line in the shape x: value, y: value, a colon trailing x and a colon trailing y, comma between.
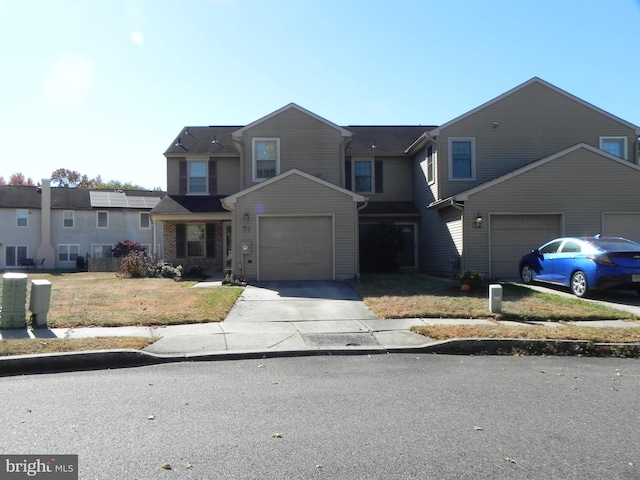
x: 63, y: 177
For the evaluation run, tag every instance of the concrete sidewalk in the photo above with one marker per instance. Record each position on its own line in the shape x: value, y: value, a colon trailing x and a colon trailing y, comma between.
x: 275, y: 319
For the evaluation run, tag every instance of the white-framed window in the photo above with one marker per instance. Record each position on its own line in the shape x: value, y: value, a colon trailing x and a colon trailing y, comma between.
x: 145, y: 220
x: 15, y: 254
x: 67, y: 219
x: 266, y: 158
x: 22, y: 216
x: 197, y: 177
x: 462, y: 158
x: 615, y: 146
x: 101, y: 251
x: 68, y: 252
x: 102, y: 219
x: 363, y: 176
x: 430, y: 164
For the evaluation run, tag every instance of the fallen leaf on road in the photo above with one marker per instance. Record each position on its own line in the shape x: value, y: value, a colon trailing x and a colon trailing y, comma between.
x: 276, y: 435
x: 166, y: 466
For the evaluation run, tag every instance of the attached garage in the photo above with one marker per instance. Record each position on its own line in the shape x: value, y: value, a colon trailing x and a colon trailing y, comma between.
x: 295, y: 248
x: 625, y: 225
x: 513, y: 235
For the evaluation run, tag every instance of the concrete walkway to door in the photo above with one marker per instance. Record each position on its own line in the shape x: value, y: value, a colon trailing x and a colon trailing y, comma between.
x: 298, y: 302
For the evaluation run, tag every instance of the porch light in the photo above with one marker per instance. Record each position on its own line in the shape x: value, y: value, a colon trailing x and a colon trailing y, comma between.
x: 245, y: 217
x: 478, y: 221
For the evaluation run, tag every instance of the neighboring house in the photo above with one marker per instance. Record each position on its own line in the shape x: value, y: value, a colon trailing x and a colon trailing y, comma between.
x: 288, y: 196
x: 59, y: 224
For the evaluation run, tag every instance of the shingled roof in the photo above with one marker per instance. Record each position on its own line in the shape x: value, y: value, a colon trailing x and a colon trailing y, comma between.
x: 379, y: 140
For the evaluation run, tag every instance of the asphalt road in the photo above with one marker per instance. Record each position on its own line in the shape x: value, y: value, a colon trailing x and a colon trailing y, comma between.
x: 397, y: 416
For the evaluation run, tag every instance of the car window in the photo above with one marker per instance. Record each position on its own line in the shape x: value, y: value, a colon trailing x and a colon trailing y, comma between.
x: 550, y: 247
x: 616, y: 245
x: 571, y: 246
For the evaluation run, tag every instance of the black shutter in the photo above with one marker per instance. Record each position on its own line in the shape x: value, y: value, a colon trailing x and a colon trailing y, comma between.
x: 213, y: 177
x: 379, y: 176
x: 183, y: 177
x: 181, y: 240
x: 210, y: 237
x: 347, y: 173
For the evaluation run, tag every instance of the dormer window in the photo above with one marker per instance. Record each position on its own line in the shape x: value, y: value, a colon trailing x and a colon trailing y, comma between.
x: 615, y: 146
x: 266, y: 158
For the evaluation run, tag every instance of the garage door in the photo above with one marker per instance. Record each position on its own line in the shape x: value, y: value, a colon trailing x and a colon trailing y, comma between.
x: 514, y: 235
x: 625, y: 225
x: 295, y: 248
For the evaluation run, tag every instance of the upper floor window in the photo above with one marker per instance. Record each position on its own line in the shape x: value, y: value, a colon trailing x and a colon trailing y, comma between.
x: 103, y: 219
x: 145, y: 220
x: 266, y: 158
x: 430, y: 164
x: 21, y: 218
x: 363, y: 175
x: 462, y: 159
x: 197, y: 177
x: 67, y: 219
x: 615, y: 146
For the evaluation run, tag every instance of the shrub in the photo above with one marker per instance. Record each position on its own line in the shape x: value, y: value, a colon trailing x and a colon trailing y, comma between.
x: 122, y: 249
x: 139, y: 264
x: 471, y: 278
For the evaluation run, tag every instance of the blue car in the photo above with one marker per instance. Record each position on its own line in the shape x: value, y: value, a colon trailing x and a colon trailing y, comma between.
x: 584, y: 264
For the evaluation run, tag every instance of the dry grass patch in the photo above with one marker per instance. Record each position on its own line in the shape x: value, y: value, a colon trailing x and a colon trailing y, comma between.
x: 31, y: 346
x: 102, y: 299
x: 532, y: 332
x: 422, y: 296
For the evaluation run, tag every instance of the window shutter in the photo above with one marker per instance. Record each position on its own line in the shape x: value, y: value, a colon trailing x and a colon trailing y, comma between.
x: 347, y: 173
x: 181, y: 240
x: 210, y: 240
x: 379, y: 176
x: 213, y: 177
x: 183, y: 177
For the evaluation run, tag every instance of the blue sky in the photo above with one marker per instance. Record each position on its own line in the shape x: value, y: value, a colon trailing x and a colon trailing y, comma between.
x: 104, y: 86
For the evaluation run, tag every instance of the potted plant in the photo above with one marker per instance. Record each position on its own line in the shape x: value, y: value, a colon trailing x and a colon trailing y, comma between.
x: 471, y: 278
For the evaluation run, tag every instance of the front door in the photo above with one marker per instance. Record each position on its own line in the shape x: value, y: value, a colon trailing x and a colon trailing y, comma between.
x: 227, y: 246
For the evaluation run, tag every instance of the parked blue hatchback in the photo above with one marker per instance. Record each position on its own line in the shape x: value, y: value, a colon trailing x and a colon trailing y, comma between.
x: 584, y: 264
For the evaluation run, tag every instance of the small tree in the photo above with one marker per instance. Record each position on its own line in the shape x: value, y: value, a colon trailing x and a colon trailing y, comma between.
x: 380, y: 248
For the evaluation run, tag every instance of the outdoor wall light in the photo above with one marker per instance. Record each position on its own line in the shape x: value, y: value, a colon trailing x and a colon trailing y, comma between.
x: 495, y: 124
x: 245, y: 217
x: 478, y: 221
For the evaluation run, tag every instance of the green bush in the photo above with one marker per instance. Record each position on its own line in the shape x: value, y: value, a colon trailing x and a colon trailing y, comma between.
x: 138, y: 264
x: 471, y: 278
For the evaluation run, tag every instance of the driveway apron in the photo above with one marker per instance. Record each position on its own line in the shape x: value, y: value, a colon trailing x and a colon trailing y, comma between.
x: 298, y: 301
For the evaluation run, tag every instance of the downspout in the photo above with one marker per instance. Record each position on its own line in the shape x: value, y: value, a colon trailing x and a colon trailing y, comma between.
x: 357, y: 237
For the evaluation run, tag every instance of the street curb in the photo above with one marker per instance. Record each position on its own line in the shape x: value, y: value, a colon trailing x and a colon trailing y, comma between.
x: 108, y: 359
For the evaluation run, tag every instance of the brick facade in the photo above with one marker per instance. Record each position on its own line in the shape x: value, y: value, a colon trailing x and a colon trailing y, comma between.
x: 210, y: 265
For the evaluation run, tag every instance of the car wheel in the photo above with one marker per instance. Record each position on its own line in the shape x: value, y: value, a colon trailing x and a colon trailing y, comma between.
x: 579, y: 285
x: 526, y: 274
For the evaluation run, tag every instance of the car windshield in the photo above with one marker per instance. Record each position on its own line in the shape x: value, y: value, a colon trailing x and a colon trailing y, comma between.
x: 616, y: 245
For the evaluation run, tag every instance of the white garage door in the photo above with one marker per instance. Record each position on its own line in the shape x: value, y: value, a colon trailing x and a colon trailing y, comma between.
x: 625, y: 225
x: 295, y: 248
x: 514, y: 235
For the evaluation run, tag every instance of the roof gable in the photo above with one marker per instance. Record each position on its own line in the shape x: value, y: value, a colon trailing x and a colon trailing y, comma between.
x: 461, y: 197
x: 238, y: 133
x: 232, y: 199
x: 535, y: 80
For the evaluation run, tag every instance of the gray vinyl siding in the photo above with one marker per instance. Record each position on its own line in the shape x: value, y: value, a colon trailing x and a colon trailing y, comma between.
x: 295, y: 195
x: 534, y: 122
x: 397, y: 180
x: 555, y: 187
x: 173, y: 175
x: 305, y: 143
x: 228, y: 175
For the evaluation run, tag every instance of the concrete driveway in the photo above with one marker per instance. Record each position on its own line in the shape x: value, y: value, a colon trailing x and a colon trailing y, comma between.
x: 298, y: 301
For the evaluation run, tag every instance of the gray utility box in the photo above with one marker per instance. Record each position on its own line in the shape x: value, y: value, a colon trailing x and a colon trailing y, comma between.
x: 14, y: 301
x: 39, y: 302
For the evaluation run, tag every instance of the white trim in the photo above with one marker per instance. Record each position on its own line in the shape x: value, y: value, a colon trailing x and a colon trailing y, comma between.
x: 206, y: 176
x: 472, y: 141
x: 343, y: 132
x: 140, y: 220
x: 73, y: 219
x: 98, y: 212
x: 617, y: 138
x: 68, y: 245
x: 254, y: 161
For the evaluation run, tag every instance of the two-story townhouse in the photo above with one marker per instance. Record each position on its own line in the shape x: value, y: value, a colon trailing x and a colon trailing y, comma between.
x: 54, y: 226
x: 525, y: 167
x: 286, y: 196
